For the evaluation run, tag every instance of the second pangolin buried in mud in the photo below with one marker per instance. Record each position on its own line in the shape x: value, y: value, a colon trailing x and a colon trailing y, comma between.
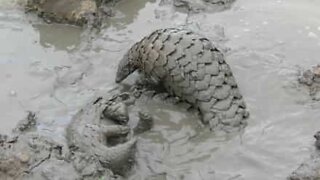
x: 191, y: 68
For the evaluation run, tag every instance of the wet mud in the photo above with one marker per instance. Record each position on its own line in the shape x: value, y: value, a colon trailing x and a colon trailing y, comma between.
x: 261, y: 40
x: 70, y: 11
x: 27, y: 155
x: 310, y: 168
x: 311, y: 81
x: 198, y: 6
x: 97, y: 144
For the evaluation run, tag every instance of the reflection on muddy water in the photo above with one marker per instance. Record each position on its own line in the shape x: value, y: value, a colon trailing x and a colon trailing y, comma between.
x: 267, y: 41
x: 61, y: 37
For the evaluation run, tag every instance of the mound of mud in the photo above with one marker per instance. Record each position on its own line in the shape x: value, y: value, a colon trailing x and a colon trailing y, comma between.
x: 197, y: 6
x: 311, y: 80
x: 69, y: 11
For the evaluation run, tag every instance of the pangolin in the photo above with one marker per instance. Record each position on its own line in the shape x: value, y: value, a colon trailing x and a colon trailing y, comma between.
x: 191, y: 68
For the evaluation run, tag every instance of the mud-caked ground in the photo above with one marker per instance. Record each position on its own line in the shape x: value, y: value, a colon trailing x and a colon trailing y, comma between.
x: 57, y: 70
x: 28, y: 155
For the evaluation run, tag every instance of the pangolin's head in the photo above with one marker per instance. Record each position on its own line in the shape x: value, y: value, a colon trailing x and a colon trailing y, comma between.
x: 125, y: 68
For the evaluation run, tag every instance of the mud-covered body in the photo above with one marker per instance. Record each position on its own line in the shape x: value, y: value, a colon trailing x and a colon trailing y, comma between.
x: 190, y: 67
x: 87, y: 135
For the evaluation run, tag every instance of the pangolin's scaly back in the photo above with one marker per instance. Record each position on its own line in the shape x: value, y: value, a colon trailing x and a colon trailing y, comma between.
x: 190, y: 67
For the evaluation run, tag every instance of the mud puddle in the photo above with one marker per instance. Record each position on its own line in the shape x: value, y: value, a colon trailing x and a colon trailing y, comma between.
x: 45, y: 68
x: 30, y: 53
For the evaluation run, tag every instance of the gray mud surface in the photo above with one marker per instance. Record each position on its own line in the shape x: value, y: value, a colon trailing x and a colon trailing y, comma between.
x: 310, y: 168
x: 48, y: 70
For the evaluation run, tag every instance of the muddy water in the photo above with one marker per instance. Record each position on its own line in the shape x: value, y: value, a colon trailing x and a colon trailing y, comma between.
x: 47, y: 69
x: 28, y: 61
